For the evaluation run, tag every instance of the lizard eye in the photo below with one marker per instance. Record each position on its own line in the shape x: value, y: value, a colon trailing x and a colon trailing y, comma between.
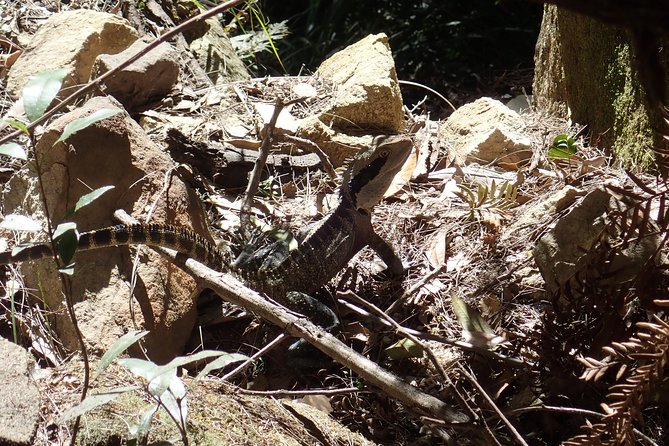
x: 384, y: 153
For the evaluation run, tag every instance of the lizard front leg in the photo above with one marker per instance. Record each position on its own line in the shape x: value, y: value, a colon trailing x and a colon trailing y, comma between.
x: 394, y: 266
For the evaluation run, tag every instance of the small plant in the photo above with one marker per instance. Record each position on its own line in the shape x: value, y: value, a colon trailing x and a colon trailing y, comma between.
x: 260, y: 36
x: 37, y: 95
x: 488, y: 198
x: 269, y: 188
x: 161, y: 384
x: 564, y: 146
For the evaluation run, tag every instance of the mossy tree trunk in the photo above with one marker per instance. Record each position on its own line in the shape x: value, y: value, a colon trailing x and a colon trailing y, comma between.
x: 584, y: 71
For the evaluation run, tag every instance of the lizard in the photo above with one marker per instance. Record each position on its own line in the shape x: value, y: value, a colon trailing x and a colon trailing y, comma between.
x: 288, y: 276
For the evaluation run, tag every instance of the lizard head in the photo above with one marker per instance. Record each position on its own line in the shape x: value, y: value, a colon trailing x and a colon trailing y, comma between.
x: 371, y: 171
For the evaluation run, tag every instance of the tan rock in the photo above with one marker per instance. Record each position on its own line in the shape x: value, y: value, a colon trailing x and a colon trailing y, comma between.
x: 215, y: 53
x: 19, y: 396
x: 72, y: 40
x: 337, y: 146
x: 573, y: 247
x: 486, y: 131
x: 148, y: 79
x: 112, y: 152
x: 368, y: 94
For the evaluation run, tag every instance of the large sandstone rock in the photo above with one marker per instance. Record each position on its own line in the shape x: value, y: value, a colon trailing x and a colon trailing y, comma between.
x: 148, y: 79
x: 487, y: 131
x: 367, y: 93
x: 113, y: 152
x: 72, y: 40
x: 366, y: 99
x: 19, y: 396
x: 572, y: 247
x: 215, y: 53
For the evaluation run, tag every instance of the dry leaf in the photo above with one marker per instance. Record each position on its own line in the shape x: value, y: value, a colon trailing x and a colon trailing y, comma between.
x: 286, y: 123
x: 437, y: 255
x: 7, y: 60
x: 357, y: 331
x: 475, y: 329
x: 404, y: 349
x: 591, y: 164
x: 456, y: 262
x: 304, y: 90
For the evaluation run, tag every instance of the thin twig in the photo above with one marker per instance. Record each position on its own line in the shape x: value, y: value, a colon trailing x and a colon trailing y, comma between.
x: 301, y: 393
x: 431, y: 90
x: 66, y: 286
x: 472, y: 380
x: 254, y: 179
x: 244, y: 365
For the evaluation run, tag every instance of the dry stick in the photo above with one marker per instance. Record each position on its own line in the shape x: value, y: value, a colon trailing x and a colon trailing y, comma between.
x: 254, y: 179
x: 385, y: 319
x: 234, y: 291
x: 98, y: 81
x: 301, y: 393
x: 244, y: 365
x: 472, y: 380
x: 312, y: 147
x: 426, y: 349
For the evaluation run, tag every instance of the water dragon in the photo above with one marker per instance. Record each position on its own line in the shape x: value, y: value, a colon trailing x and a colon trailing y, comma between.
x: 286, y: 275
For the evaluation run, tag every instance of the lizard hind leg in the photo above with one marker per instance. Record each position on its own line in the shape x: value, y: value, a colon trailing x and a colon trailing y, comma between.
x: 301, y: 354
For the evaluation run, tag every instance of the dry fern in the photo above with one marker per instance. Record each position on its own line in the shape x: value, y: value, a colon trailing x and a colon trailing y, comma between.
x: 641, y: 361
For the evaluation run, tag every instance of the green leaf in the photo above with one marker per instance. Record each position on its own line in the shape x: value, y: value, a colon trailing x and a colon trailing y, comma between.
x: 87, y: 199
x: 403, y: 349
x: 63, y: 228
x: 150, y: 371
x: 141, y: 429
x: 93, y: 401
x: 159, y: 385
x: 67, y: 270
x: 67, y: 239
x: 563, y: 147
x: 140, y: 367
x: 41, y: 90
x: 225, y: 360
x: 14, y: 150
x: 18, y: 125
x: 175, y: 401
x: 184, y: 360
x: 81, y: 123
x: 117, y: 348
